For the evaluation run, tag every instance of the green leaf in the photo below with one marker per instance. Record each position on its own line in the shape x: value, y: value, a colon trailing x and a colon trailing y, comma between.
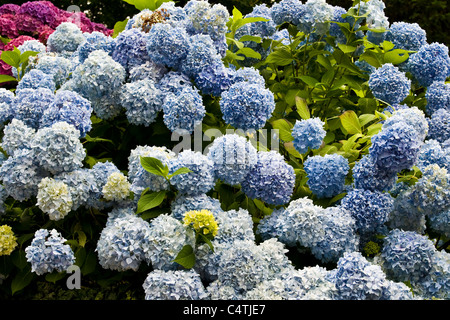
x: 280, y: 57
x: 302, y: 108
x: 146, y: 4
x: 249, y: 53
x: 19, y: 259
x: 89, y: 264
x: 310, y: 81
x: 119, y: 27
x: 150, y: 200
x: 54, y: 276
x: 396, y: 56
x: 346, y: 48
x: 367, y: 118
x: 155, y: 166
x: 250, y: 38
x: 284, y: 128
x: 186, y: 257
x: 26, y: 55
x: 207, y: 241
x: 350, y: 122
x: 180, y: 171
x: 21, y: 280
x: 5, y: 78
x: 12, y: 58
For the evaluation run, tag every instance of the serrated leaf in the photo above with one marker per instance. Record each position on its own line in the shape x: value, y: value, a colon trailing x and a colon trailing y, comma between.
x: 250, y: 38
x: 21, y: 280
x: 119, y: 26
x: 154, y: 165
x: 5, y: 78
x: 12, y: 58
x: 249, y: 53
x: 280, y: 57
x: 26, y: 55
x: 150, y: 200
x: 146, y: 4
x: 180, y: 171
x: 302, y: 108
x: 309, y: 80
x: 186, y: 257
x: 350, y: 122
x: 284, y: 128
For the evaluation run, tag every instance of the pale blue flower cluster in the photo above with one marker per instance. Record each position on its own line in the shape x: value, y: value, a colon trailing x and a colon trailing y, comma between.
x: 29, y: 105
x: 247, y: 105
x: 407, y: 36
x: 142, y: 101
x: 436, y: 284
x: 389, y: 84
x: 326, y: 174
x: 308, y: 134
x: 32, y: 45
x: 431, y: 63
x: 316, y: 17
x: 95, y: 41
x: 370, y: 209
x: 358, y: 279
x: 287, y: 11
x: 233, y: 156
x: 200, y: 180
x: 214, y: 79
x: 58, y: 67
x: 437, y: 96
x: 271, y: 179
x: 439, y: 125
x: 167, y: 237
x: 147, y: 70
x: 432, y: 152
x: 66, y: 38
x: 185, y: 203
x: 441, y: 223
x: 123, y: 243
x: 47, y: 252
x: 16, y: 135
x: 6, y: 100
x: 366, y: 175
x: 174, y: 285
x: 407, y: 255
x: 413, y: 117
x: 183, y: 111
x: 130, y: 48
x: 70, y: 107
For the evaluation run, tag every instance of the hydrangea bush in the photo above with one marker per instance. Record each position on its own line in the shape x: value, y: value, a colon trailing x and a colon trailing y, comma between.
x: 299, y: 151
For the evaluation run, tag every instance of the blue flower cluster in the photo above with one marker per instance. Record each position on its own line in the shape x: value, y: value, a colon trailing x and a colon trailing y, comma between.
x: 407, y: 36
x: 389, y: 84
x: 47, y: 252
x: 437, y: 96
x: 439, y: 125
x: 308, y: 134
x: 431, y: 63
x: 270, y: 179
x: 326, y: 174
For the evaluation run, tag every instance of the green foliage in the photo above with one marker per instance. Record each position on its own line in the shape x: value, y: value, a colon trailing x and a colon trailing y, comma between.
x: 17, y: 60
x: 146, y: 4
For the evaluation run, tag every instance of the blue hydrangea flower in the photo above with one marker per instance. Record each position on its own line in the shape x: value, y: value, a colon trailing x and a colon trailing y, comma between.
x: 97, y: 78
x: 16, y: 136
x: 247, y: 106
x: 123, y: 243
x: 440, y: 223
x: 366, y: 175
x: 431, y: 194
x: 389, y: 84
x: 214, y: 79
x: 439, y: 125
x: 207, y: 19
x: 147, y: 70
x: 20, y: 175
x: 365, y: 66
x: 357, y: 279
x: 29, y: 105
x: 395, y: 148
x: 70, y: 107
x: 407, y: 36
x: 82, y: 186
x: 335, y: 30
x: 436, y: 285
x: 100, y: 171
x: 185, y: 203
x: 326, y: 175
x: 173, y: 82
x: 142, y: 101
x: 141, y: 178
x: 200, y: 180
x: 67, y: 37
x: 308, y: 134
x: 233, y: 156
x: 432, y: 152
x: 184, y: 111
x: 316, y: 17
x: 59, y: 67
x: 250, y: 75
x: 411, y: 116
x: 131, y: 48
x: 201, y: 54
x: 167, y: 45
x: 6, y: 100
x: 35, y: 79
x: 167, y: 237
x: 431, y: 63
x: 370, y: 209
x: 234, y: 225
x: 263, y: 29
x: 438, y: 97
x: 32, y: 45
x: 405, y: 215
x: 282, y: 36
x: 58, y: 148
x: 174, y: 285
x: 271, y: 179
x: 47, y: 252
x: 288, y: 11
x: 407, y: 255
x: 95, y: 41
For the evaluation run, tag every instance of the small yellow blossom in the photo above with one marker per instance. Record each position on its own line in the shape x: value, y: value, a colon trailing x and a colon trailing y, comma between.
x: 202, y: 221
x: 117, y: 187
x: 7, y: 240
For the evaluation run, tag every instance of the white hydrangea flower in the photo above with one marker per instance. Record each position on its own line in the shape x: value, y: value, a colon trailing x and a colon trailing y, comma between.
x: 54, y: 198
x: 117, y: 187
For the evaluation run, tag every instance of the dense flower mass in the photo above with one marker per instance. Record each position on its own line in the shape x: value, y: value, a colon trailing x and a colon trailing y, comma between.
x: 290, y: 152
